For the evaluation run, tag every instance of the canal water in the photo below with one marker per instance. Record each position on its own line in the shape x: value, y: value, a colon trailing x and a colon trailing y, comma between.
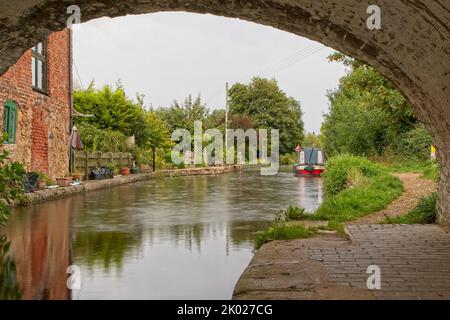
x: 173, y: 238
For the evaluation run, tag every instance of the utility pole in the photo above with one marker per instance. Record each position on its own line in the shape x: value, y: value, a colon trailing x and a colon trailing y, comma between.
x: 226, y: 114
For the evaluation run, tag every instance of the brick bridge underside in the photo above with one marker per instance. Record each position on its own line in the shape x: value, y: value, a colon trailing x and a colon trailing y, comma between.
x: 412, y: 49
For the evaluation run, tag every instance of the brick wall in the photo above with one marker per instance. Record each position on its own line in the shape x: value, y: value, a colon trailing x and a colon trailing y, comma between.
x: 42, y: 133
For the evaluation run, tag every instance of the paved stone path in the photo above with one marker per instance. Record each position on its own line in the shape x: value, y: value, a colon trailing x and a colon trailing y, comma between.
x: 414, y: 262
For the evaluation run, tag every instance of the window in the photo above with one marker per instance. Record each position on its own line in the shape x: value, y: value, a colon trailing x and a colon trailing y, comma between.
x: 39, y: 66
x: 9, y: 121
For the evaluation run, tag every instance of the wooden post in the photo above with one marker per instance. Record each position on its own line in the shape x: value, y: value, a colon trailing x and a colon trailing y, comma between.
x: 86, y: 163
x: 99, y: 159
x: 153, y: 158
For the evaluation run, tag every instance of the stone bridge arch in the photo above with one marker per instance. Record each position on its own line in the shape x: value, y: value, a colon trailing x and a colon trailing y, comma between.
x: 412, y: 49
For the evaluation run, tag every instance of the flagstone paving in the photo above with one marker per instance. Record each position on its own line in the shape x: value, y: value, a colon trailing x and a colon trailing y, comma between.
x: 414, y: 261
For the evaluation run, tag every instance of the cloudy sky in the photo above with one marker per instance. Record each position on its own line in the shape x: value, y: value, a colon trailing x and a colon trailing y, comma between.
x: 167, y: 56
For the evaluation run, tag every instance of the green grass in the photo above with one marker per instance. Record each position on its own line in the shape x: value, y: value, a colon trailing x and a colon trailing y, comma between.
x: 424, y: 213
x: 283, y: 231
x: 372, y: 195
x: 355, y: 188
x: 428, y: 169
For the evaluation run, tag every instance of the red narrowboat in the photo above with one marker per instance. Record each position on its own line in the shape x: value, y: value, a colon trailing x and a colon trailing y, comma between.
x: 310, y: 162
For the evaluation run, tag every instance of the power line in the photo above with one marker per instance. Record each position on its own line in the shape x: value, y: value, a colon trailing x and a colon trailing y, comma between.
x: 289, y: 59
x: 278, y: 66
x: 303, y: 57
x: 78, y: 75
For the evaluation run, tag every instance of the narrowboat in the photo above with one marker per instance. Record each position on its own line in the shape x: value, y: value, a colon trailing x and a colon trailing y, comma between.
x: 310, y: 162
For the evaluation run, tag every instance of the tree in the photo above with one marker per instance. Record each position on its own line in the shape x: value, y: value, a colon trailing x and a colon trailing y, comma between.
x: 312, y: 140
x: 113, y: 110
x: 183, y: 116
x: 268, y: 107
x: 368, y: 115
x: 159, y: 135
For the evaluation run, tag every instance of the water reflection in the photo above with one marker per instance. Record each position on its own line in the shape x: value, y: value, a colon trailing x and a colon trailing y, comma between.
x: 9, y: 289
x: 179, y: 238
x: 36, y: 251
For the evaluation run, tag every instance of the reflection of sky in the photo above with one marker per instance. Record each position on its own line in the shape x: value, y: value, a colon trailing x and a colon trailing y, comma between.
x: 164, y: 270
x: 187, y: 237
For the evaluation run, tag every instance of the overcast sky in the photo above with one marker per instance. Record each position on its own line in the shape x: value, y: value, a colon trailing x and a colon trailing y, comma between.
x: 167, y: 56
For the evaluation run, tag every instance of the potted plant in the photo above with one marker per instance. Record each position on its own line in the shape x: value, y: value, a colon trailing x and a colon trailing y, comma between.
x: 125, y: 171
x: 78, y: 176
x: 29, y: 181
x: 134, y: 168
x: 64, y: 182
x: 42, y: 180
x: 110, y: 172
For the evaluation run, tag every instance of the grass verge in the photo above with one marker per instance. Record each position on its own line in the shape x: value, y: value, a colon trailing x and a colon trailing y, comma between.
x: 428, y: 169
x: 355, y: 187
x: 424, y: 213
x: 283, y: 231
x: 372, y: 195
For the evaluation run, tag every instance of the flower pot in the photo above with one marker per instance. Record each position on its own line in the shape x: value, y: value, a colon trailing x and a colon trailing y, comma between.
x: 79, y: 177
x: 134, y: 170
x: 41, y: 184
x: 64, y: 182
x: 125, y: 171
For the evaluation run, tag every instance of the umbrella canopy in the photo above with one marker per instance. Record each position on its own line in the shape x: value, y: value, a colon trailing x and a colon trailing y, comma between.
x: 75, y: 140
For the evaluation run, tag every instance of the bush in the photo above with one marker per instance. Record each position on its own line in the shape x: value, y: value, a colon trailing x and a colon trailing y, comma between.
x: 291, y: 213
x: 338, y: 168
x: 415, y: 144
x: 103, y: 140
x: 288, y: 159
x: 11, y: 187
x: 424, y: 213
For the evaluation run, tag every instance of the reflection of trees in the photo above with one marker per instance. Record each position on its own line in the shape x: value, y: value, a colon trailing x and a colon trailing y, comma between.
x: 9, y: 289
x: 105, y: 248
x: 192, y: 234
x: 237, y: 234
x: 244, y: 233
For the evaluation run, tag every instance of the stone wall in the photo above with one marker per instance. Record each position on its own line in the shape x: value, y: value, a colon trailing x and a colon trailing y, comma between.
x: 412, y: 49
x: 42, y: 133
x: 62, y: 192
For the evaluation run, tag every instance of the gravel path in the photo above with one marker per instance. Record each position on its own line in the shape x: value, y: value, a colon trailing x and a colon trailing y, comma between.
x: 415, y: 187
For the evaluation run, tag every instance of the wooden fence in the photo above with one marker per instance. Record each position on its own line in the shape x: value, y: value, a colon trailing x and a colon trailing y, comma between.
x: 84, y: 162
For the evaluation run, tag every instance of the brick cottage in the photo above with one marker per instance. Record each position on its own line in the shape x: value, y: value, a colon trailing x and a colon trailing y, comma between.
x: 35, y: 97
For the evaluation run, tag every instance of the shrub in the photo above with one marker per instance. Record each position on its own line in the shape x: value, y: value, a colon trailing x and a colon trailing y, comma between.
x: 103, y: 140
x: 415, y: 143
x: 291, y: 213
x: 288, y: 159
x: 336, y: 177
x: 11, y: 187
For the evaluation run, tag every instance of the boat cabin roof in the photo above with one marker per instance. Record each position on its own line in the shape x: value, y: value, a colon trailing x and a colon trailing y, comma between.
x: 311, y: 156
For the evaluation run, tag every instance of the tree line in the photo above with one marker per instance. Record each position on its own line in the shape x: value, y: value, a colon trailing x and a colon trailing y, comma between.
x: 368, y: 116
x: 109, y: 117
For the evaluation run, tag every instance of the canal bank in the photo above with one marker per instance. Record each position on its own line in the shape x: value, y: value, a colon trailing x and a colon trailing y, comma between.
x: 62, y: 192
x: 333, y: 266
